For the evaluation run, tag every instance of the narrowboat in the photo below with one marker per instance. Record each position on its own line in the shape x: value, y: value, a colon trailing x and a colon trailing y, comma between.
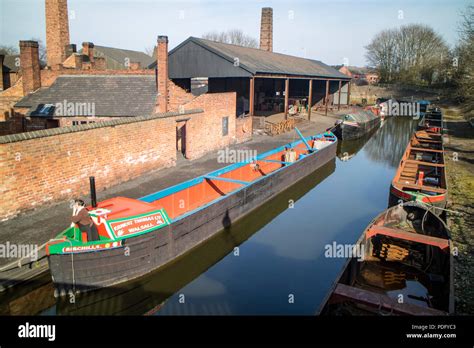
x: 421, y: 174
x: 146, y: 295
x: 138, y: 236
x: 356, y: 124
x: 406, y: 267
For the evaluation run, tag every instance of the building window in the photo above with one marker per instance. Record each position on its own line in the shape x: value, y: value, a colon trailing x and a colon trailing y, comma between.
x: 225, y: 126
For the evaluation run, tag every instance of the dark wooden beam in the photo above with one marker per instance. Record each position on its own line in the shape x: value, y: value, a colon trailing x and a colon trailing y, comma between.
x: 310, y: 98
x: 339, y: 97
x: 381, y: 301
x: 349, y: 93
x: 326, y: 98
x: 287, y: 92
x: 413, y: 237
x: 252, y: 96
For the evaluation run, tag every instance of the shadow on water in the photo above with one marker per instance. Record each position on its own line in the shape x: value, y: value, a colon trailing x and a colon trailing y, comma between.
x: 147, y: 294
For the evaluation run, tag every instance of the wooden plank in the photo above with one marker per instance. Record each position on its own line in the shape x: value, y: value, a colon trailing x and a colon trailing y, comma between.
x: 413, y: 237
x: 428, y: 164
x: 310, y: 98
x: 424, y: 188
x: 382, y: 301
x: 426, y: 150
x: 208, y: 177
x: 339, y: 96
x: 252, y: 96
x: 326, y: 98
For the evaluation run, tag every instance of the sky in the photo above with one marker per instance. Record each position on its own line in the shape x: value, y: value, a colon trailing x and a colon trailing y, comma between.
x: 334, y: 32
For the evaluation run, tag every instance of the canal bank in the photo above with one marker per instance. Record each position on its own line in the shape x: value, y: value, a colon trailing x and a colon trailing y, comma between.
x: 460, y: 155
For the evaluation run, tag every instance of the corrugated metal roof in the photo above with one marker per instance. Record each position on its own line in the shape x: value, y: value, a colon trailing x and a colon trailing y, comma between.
x: 121, y: 55
x: 257, y: 61
x: 112, y: 95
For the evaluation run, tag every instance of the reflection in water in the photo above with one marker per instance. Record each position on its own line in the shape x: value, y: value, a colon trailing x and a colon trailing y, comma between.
x: 391, y: 140
x: 347, y: 149
x: 147, y: 294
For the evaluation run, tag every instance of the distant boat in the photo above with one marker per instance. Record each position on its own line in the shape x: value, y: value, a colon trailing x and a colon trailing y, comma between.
x: 421, y: 174
x: 406, y: 268
x: 432, y: 121
x: 138, y: 236
x: 355, y: 125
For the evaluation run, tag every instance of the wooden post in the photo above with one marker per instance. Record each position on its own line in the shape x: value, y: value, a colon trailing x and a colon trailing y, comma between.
x: 339, y: 97
x: 310, y: 98
x: 287, y: 92
x: 349, y: 93
x: 326, y: 99
x: 252, y: 96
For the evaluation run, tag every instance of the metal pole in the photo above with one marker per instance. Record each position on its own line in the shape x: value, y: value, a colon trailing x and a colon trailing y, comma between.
x: 93, y: 193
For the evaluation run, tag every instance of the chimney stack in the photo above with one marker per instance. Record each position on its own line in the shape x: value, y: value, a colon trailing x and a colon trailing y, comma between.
x: 57, y: 32
x: 266, y: 30
x: 88, y: 50
x: 30, y: 66
x: 162, y: 73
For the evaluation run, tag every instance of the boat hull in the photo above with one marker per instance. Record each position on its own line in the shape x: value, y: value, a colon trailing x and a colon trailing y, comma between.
x: 145, y: 253
x: 437, y: 202
x: 347, y: 131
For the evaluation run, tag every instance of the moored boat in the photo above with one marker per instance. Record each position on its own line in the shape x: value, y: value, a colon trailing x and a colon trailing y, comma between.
x: 356, y: 124
x: 406, y: 267
x: 421, y: 175
x: 138, y: 236
x: 432, y: 121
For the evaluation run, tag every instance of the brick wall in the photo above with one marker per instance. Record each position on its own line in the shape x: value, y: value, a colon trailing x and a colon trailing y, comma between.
x: 204, y: 131
x: 177, y: 96
x: 42, y: 167
x: 243, y: 129
x: 8, y: 98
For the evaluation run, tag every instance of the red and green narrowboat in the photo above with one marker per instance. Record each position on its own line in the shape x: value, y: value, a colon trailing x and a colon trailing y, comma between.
x: 138, y: 236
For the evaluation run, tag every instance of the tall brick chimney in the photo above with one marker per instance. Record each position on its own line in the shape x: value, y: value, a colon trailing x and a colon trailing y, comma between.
x: 162, y: 73
x: 30, y: 66
x: 57, y: 31
x: 266, y: 29
x: 88, y: 50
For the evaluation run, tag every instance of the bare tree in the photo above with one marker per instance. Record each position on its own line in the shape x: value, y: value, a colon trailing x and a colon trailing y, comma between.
x: 233, y: 36
x: 413, y: 54
x: 150, y: 50
x: 8, y: 50
x: 463, y: 62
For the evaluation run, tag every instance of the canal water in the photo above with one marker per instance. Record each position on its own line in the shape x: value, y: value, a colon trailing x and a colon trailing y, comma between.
x: 272, y: 261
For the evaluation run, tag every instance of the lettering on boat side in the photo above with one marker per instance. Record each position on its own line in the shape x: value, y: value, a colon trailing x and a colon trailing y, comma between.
x: 84, y: 248
x: 37, y: 331
x: 133, y: 225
